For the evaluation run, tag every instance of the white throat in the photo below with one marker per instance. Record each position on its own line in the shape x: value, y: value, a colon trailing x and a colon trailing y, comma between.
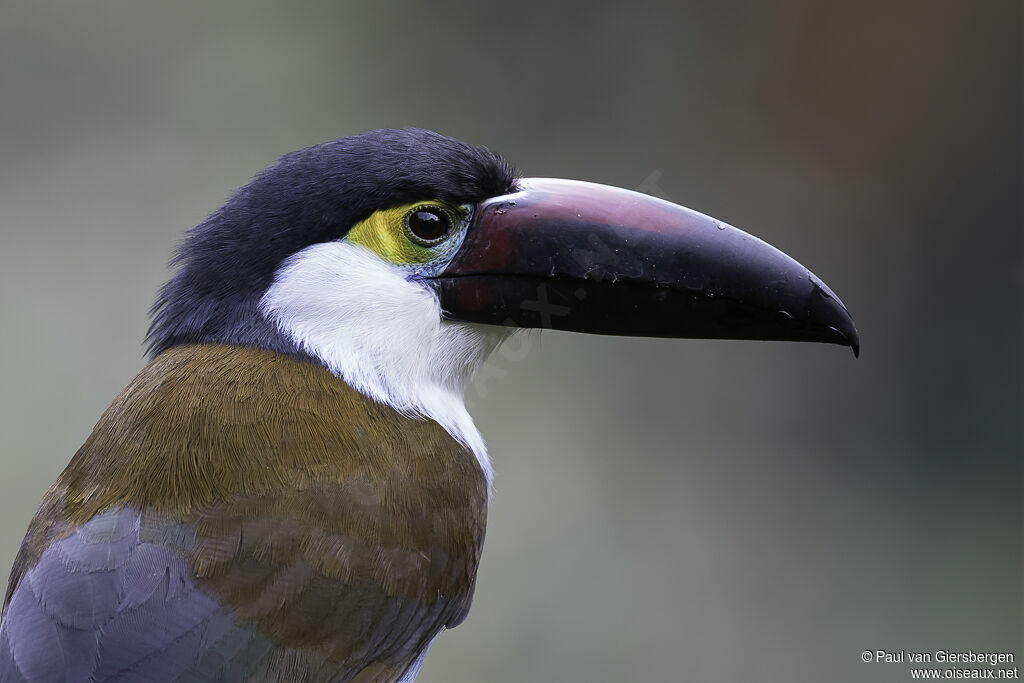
x: 383, y: 335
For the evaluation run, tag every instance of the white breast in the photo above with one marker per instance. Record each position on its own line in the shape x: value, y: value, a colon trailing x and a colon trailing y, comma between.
x: 383, y: 334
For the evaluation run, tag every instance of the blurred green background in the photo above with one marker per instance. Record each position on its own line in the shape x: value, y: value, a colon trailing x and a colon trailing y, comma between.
x: 664, y: 510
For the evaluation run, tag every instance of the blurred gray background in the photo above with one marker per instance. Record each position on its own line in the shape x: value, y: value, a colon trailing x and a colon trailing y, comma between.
x: 664, y: 510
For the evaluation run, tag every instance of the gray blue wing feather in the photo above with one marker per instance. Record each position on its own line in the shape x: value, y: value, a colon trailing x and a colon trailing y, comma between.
x: 115, y: 600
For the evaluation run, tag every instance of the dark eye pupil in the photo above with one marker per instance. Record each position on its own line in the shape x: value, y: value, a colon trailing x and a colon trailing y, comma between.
x: 428, y: 224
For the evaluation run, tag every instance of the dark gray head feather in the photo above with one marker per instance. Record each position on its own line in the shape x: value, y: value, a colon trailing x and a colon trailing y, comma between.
x: 314, y: 195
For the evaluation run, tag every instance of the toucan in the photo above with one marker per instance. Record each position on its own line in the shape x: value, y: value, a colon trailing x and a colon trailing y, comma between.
x: 292, y: 488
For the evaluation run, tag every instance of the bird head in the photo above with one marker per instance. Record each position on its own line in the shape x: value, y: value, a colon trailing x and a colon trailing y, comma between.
x: 399, y: 259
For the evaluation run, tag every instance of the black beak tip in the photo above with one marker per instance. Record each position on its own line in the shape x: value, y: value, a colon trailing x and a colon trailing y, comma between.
x: 851, y: 339
x: 826, y: 307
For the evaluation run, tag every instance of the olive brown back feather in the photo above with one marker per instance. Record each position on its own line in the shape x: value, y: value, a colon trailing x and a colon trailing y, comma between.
x: 286, y: 516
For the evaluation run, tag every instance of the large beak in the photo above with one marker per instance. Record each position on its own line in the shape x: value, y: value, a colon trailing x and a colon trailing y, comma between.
x: 578, y: 256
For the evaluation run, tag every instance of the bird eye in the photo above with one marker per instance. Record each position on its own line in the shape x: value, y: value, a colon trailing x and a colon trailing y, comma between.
x: 428, y: 225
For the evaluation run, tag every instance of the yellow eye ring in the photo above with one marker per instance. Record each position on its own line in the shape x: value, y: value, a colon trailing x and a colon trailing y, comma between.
x: 428, y: 225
